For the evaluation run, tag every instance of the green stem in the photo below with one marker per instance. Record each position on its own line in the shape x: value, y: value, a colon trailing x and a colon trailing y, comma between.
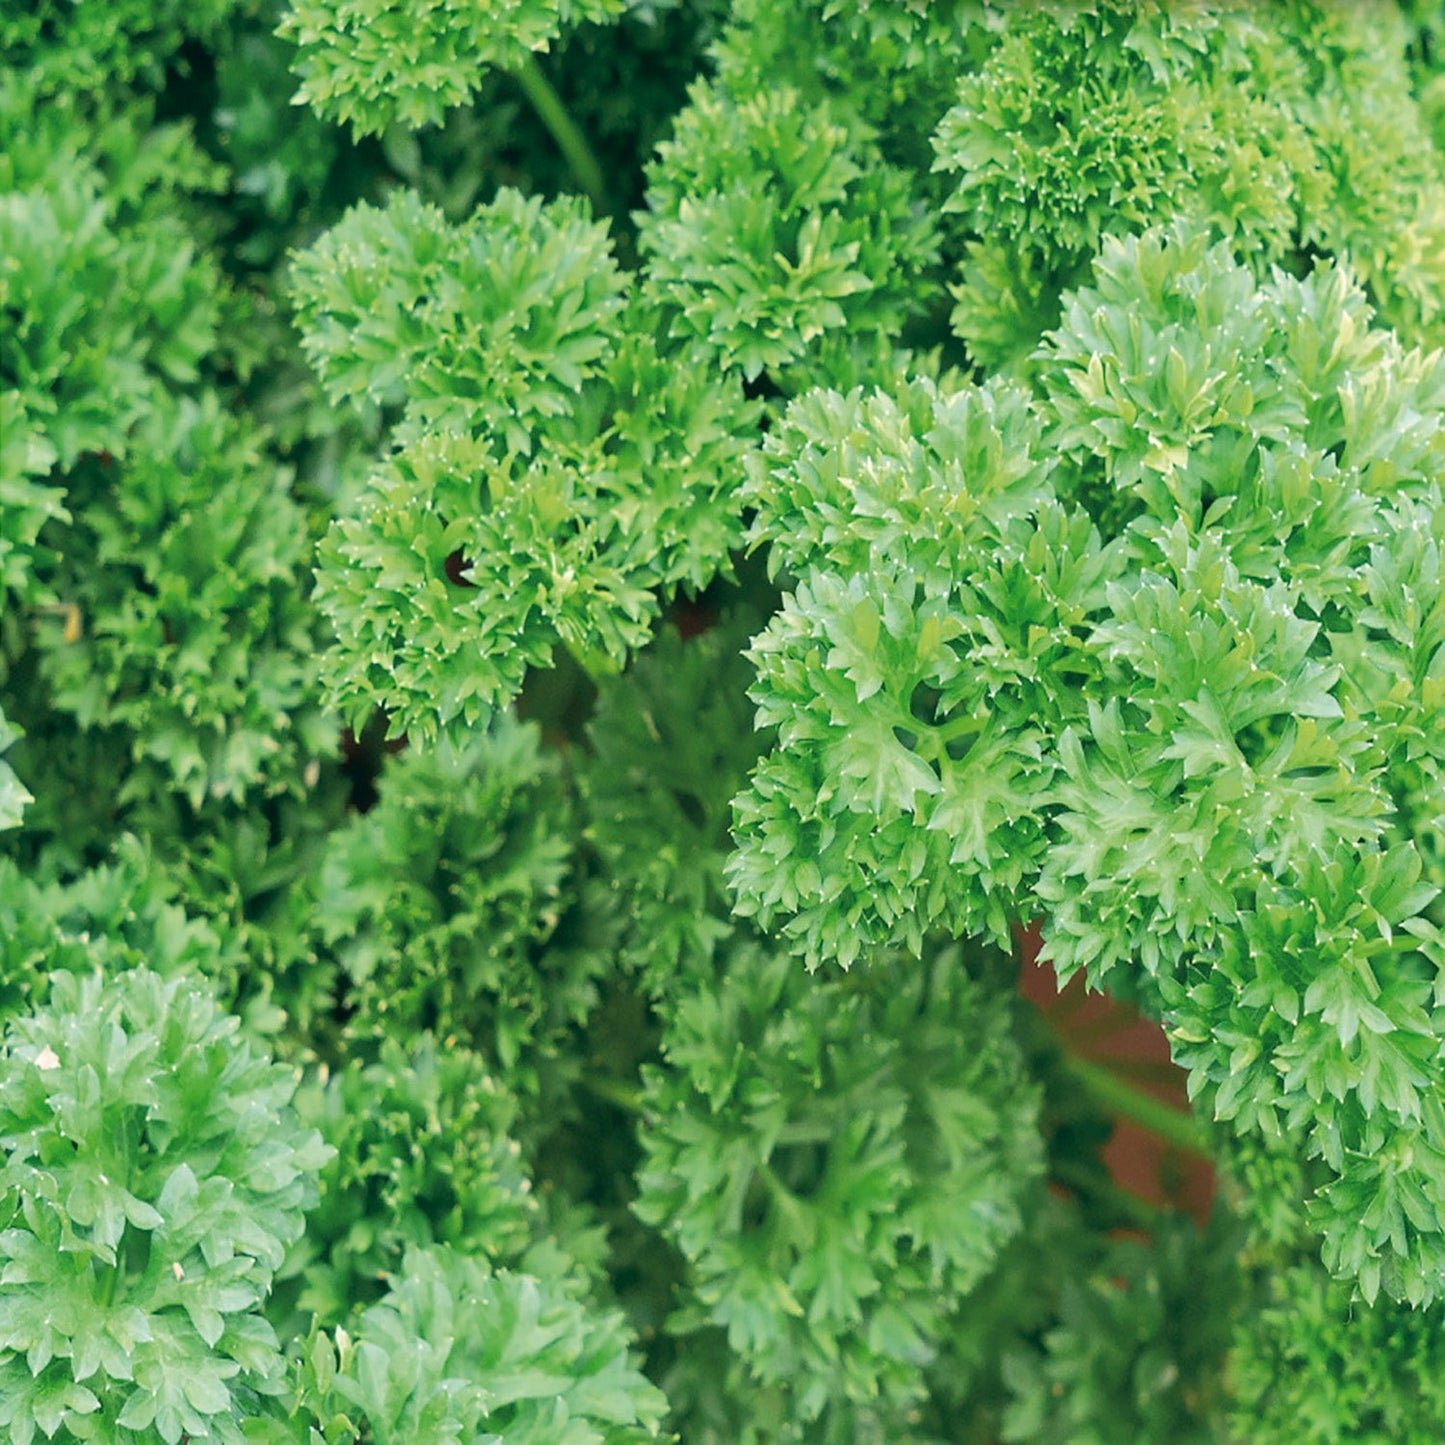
x: 1174, y: 1126
x: 1170, y: 1124
x: 783, y: 1197
x: 808, y: 1131
x: 596, y: 666
x: 110, y: 1279
x: 624, y: 1096
x: 960, y: 727
x: 586, y: 169
x: 1145, y: 1071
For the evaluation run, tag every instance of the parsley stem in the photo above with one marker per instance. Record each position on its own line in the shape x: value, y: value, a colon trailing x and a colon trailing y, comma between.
x: 615, y: 1092
x: 586, y: 169
x: 807, y: 1131
x: 1170, y: 1124
x: 783, y: 1197
x: 596, y: 665
x: 1145, y: 1071
x: 958, y: 727
x: 110, y: 1277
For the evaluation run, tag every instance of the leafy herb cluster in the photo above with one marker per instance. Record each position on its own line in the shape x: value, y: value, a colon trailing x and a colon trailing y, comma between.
x: 573, y: 578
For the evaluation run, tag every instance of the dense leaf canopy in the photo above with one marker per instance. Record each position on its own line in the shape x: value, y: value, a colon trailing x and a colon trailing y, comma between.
x: 581, y: 584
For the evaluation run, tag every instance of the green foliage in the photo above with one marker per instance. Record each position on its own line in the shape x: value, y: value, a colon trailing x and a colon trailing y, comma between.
x: 554, y: 465
x: 25, y: 453
x: 454, y: 906
x: 106, y: 299
x: 285, y: 162
x: 378, y: 62
x: 895, y: 63
x: 119, y: 916
x: 396, y: 305
x: 643, y: 924
x: 671, y: 746
x: 838, y: 1161
x: 13, y: 793
x: 70, y: 47
x: 774, y: 228
x: 197, y: 640
x: 1132, y: 1352
x: 911, y: 700
x: 1280, y: 131
x: 723, y: 1405
x: 1427, y: 59
x: 156, y: 624
x: 457, y: 1352
x: 422, y: 1155
x: 1215, y: 810
x: 153, y: 1177
x: 1309, y: 1366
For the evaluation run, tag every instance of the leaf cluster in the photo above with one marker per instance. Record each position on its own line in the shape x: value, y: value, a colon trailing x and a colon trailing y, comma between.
x: 1185, y: 750
x: 376, y: 63
x: 456, y: 1353
x: 422, y: 1155
x: 456, y: 906
x: 154, y: 1176
x: 584, y: 589
x: 554, y: 468
x: 839, y: 1162
x: 1292, y: 134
